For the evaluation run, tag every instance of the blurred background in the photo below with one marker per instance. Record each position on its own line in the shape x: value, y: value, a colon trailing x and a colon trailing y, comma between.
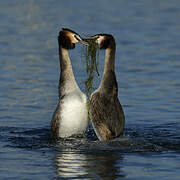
x: 147, y: 35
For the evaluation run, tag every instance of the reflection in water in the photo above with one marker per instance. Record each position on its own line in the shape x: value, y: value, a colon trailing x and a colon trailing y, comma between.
x: 90, y: 165
x: 70, y: 164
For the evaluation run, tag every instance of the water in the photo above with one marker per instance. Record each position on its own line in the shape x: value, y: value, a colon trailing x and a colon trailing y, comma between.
x: 147, y: 69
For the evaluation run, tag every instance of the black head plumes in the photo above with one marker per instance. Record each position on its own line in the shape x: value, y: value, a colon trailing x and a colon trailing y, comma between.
x: 106, y: 41
x: 65, y: 41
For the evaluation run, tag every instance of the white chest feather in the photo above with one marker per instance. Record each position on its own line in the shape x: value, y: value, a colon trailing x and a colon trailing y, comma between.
x: 74, y: 114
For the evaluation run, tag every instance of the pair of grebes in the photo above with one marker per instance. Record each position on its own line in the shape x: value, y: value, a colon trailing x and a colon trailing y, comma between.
x: 105, y: 111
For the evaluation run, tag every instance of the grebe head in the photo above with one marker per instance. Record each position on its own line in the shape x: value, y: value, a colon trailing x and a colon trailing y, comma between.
x: 67, y: 38
x: 103, y: 40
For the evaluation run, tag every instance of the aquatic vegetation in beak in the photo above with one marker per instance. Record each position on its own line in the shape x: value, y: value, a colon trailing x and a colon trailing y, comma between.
x: 91, y: 53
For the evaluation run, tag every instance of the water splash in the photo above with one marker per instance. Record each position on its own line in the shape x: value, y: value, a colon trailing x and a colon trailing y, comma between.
x: 133, y: 141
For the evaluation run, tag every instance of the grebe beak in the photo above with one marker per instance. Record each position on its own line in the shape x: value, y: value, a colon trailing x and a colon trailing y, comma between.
x: 91, y: 37
x: 84, y: 42
x: 79, y: 39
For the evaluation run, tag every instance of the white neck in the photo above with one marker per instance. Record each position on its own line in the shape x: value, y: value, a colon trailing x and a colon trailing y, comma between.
x: 67, y: 80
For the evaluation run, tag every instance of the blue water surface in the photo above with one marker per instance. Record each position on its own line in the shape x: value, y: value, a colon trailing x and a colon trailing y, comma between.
x: 147, y: 35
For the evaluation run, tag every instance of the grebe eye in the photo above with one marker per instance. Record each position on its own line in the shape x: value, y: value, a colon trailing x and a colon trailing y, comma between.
x: 77, y: 38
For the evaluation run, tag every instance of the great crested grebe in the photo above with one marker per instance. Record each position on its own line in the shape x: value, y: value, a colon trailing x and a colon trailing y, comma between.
x: 71, y: 114
x: 106, y: 112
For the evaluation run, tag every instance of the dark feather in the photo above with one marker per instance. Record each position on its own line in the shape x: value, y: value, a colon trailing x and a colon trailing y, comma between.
x: 107, y: 116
